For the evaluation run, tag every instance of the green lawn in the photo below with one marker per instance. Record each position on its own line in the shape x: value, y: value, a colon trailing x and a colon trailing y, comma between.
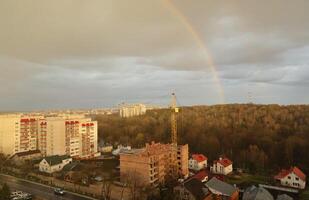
x: 247, y: 179
x: 304, y: 195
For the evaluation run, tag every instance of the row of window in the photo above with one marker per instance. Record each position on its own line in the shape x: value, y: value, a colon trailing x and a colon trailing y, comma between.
x: 296, y: 178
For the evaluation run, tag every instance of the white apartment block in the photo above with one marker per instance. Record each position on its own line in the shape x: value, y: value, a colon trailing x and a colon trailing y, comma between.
x: 18, y: 133
x: 132, y: 110
x: 73, y: 135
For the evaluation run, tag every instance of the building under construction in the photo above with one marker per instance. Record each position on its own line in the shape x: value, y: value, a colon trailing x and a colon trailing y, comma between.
x: 156, y: 163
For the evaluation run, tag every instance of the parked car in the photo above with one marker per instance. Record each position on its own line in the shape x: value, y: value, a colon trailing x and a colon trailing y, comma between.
x: 19, y: 195
x: 98, y: 178
x: 59, y: 191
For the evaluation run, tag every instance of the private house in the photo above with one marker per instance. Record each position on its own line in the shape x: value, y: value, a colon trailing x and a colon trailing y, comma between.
x: 221, y: 190
x: 202, y: 176
x: 197, y: 162
x: 292, y: 177
x: 53, y: 164
x: 257, y: 193
x: 222, y: 166
x: 192, y: 189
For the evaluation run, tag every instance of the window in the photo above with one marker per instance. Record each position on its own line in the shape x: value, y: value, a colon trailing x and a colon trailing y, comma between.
x: 297, y: 178
x: 289, y: 177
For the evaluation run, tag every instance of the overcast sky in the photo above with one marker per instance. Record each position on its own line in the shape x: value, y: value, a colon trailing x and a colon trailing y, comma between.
x: 98, y: 53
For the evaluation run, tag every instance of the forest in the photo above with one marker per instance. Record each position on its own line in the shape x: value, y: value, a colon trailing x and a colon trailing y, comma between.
x: 258, y: 138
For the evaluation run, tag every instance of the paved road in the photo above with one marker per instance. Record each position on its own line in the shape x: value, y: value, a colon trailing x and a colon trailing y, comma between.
x: 38, y: 190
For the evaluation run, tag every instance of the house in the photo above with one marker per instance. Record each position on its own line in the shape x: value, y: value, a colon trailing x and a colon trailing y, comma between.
x: 106, y: 149
x: 257, y: 193
x: 197, y: 162
x: 71, y: 171
x: 192, y: 189
x: 22, y: 157
x: 221, y: 190
x: 222, y: 166
x: 53, y: 164
x: 292, y: 177
x: 284, y: 197
x: 202, y: 176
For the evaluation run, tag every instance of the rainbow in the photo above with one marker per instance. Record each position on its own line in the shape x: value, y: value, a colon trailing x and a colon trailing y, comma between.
x: 199, y: 41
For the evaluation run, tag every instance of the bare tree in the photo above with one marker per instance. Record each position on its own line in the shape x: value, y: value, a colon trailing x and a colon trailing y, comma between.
x: 3, y: 161
x: 135, y: 184
x: 106, y: 189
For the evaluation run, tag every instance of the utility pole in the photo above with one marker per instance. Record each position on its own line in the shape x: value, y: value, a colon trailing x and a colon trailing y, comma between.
x: 174, y: 111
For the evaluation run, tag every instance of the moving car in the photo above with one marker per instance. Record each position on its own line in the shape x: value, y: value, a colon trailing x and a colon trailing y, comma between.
x: 59, y: 191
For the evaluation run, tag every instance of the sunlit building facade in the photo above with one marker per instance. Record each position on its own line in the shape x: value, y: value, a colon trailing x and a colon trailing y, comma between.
x: 73, y: 135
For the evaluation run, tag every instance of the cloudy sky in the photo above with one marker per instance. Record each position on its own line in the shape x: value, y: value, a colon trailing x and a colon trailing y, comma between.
x: 98, y: 53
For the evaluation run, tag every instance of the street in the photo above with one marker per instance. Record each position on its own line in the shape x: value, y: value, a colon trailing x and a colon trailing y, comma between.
x: 38, y: 190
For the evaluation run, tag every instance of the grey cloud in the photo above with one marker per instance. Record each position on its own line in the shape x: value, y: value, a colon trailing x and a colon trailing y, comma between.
x: 103, y: 51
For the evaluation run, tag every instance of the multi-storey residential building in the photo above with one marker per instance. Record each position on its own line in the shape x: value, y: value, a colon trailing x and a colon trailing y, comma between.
x: 73, y: 135
x: 70, y: 135
x: 130, y: 110
x: 18, y: 133
x: 154, y: 164
x: 9, y: 134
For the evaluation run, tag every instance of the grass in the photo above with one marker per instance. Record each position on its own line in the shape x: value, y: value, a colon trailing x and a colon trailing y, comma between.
x: 304, y: 195
x: 247, y: 179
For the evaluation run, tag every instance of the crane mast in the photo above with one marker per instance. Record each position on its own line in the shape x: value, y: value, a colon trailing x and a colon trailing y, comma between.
x: 174, y: 111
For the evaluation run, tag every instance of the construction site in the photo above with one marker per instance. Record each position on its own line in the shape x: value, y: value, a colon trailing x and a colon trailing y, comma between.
x: 156, y: 163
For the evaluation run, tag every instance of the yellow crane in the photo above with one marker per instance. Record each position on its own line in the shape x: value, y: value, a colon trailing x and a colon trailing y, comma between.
x: 174, y: 111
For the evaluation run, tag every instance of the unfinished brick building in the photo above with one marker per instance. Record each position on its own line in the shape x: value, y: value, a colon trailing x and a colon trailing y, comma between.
x: 154, y: 164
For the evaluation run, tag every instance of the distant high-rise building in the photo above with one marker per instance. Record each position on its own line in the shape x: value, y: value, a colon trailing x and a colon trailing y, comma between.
x: 130, y: 110
x: 73, y: 135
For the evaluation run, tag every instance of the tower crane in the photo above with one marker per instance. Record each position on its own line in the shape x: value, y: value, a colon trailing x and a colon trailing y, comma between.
x: 174, y: 112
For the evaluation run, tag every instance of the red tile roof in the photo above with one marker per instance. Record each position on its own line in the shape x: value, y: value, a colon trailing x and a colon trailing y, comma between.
x: 283, y: 173
x: 201, y: 175
x: 199, y: 157
x: 225, y: 162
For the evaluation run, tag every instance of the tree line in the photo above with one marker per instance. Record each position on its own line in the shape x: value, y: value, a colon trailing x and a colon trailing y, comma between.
x: 259, y: 138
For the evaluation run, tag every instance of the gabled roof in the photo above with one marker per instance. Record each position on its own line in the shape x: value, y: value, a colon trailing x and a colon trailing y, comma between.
x: 225, y: 189
x: 196, y: 188
x: 284, y: 197
x: 257, y: 193
x: 225, y: 162
x: 70, y: 167
x: 283, y: 173
x: 56, y: 159
x: 201, y: 175
x: 199, y: 157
